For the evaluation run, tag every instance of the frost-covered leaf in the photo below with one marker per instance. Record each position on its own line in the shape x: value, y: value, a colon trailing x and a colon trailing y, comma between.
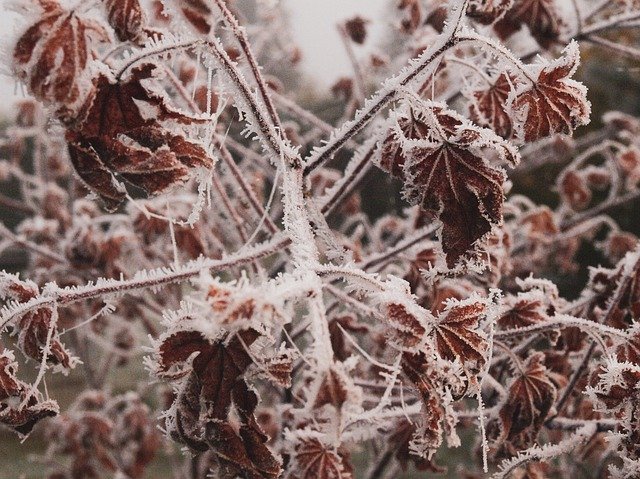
x: 551, y: 102
x: 51, y: 57
x: 314, y: 460
x: 488, y: 105
x: 487, y: 12
x: 117, y: 135
x: 15, y: 415
x: 126, y: 17
x: 456, y: 331
x: 442, y: 159
x: 529, y: 399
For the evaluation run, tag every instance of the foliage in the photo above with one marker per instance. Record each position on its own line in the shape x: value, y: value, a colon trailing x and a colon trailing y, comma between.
x: 182, y: 209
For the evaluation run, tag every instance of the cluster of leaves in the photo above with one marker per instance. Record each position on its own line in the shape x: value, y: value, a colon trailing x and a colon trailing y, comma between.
x: 181, y: 208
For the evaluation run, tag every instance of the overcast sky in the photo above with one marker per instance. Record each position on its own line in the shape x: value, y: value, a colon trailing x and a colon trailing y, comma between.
x: 313, y: 23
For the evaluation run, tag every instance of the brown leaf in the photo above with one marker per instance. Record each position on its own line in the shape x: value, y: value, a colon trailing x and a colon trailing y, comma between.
x: 456, y: 335
x: 407, y: 328
x: 523, y: 312
x: 115, y: 137
x: 333, y: 390
x: 529, y: 399
x: 488, y: 106
x: 52, y: 55
x: 552, y: 103
x: 126, y: 17
x: 198, y: 13
x: 13, y: 392
x: 356, y: 28
x: 447, y: 173
x: 574, y: 190
x: 487, y: 12
x: 541, y: 16
x: 314, y: 460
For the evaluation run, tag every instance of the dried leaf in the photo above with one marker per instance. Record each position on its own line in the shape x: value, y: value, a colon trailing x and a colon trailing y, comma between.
x: 529, y: 399
x: 314, y: 460
x: 456, y: 332
x: 552, y: 102
x: 488, y: 106
x: 541, y: 16
x: 126, y: 17
x: 445, y: 170
x: 52, y: 55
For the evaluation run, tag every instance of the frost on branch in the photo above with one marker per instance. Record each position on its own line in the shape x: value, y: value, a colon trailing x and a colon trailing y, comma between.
x: 442, y: 159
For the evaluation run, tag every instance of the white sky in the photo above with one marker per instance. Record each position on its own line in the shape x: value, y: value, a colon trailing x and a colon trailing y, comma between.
x: 314, y: 28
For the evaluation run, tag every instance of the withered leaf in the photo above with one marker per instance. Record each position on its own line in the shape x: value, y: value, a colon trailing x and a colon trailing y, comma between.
x: 529, y: 399
x: 445, y: 170
x: 487, y: 12
x: 541, y: 16
x: 333, y: 390
x: 407, y: 328
x: 523, y: 312
x: 314, y: 460
x: 456, y: 332
x: 116, y: 136
x: 52, y: 55
x: 214, y: 382
x: 488, y: 106
x: 13, y: 392
x: 126, y: 17
x: 553, y: 102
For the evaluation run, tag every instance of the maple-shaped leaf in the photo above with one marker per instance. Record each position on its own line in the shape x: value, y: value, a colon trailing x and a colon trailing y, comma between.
x: 314, y: 460
x: 541, y: 16
x: 529, y: 399
x: 445, y: 170
x: 126, y: 17
x: 551, y: 102
x: 120, y: 134
x: 523, y: 311
x: 456, y: 331
x: 488, y: 105
x: 13, y: 392
x: 52, y: 55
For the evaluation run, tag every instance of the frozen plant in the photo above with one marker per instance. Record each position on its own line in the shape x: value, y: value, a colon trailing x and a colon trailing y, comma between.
x: 185, y: 213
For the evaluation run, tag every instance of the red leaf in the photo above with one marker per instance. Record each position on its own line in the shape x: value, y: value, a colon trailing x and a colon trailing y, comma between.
x: 314, y: 460
x: 488, y: 11
x: 529, y: 400
x: 552, y: 103
x: 541, y: 16
x: 488, y: 106
x: 523, y: 312
x: 51, y: 56
x: 126, y: 17
x: 13, y: 392
x: 455, y: 332
x: 116, y: 137
x: 445, y: 170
